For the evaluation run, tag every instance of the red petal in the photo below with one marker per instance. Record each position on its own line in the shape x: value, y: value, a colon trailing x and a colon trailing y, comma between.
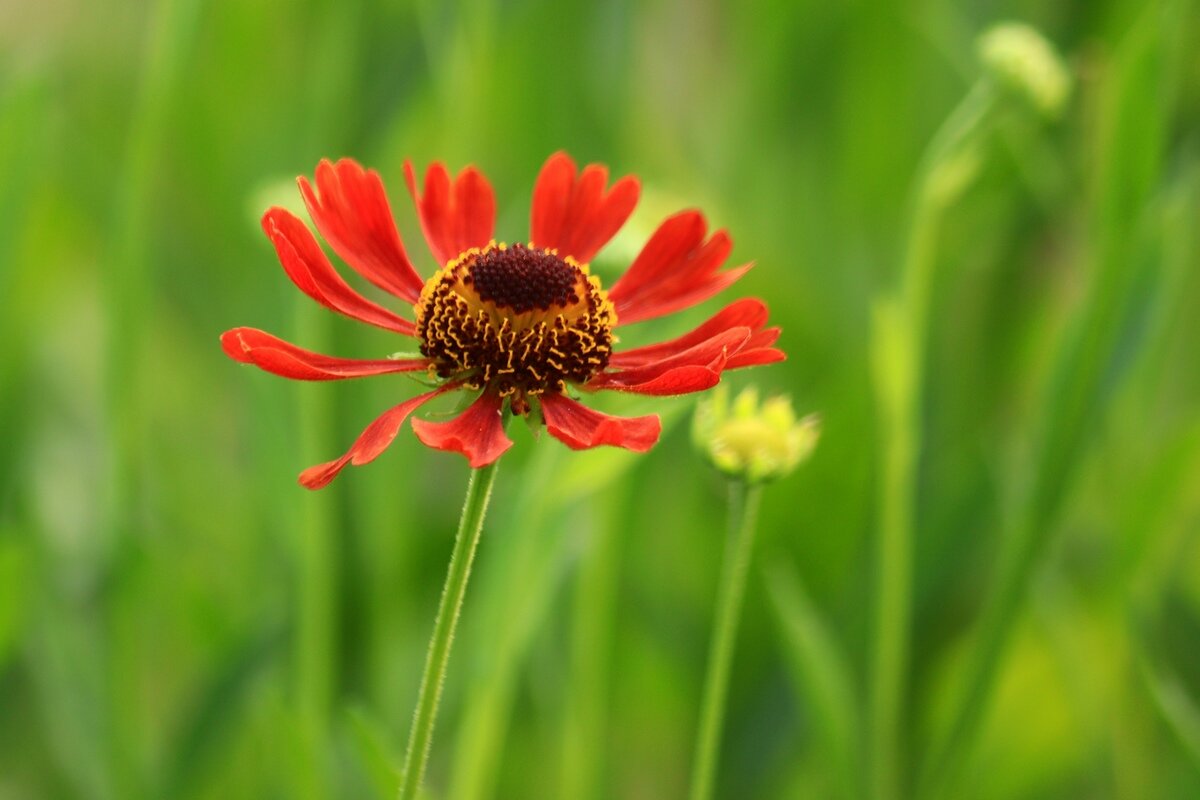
x: 580, y: 428
x: 454, y: 216
x: 677, y: 268
x: 477, y: 433
x: 758, y: 350
x: 373, y: 441
x: 764, y: 338
x: 551, y: 195
x: 272, y: 354
x: 307, y: 266
x: 709, y: 354
x: 754, y: 358
x: 351, y: 210
x: 669, y: 245
x: 578, y: 217
x: 671, y: 298
x: 749, y: 313
x: 680, y: 380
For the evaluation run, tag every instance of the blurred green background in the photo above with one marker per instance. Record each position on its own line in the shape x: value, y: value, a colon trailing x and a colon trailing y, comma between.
x: 179, y: 619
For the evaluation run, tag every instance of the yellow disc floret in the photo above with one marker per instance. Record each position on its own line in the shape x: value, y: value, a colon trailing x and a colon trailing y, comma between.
x: 517, y: 320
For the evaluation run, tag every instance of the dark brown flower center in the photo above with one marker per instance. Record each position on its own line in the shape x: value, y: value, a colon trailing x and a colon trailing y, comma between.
x: 516, y: 320
x: 522, y: 279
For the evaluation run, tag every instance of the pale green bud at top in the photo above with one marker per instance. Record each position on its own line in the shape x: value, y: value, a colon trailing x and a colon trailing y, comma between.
x: 1022, y: 60
x: 754, y: 441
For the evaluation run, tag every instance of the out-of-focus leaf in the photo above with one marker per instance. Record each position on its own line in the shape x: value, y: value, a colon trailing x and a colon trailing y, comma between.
x: 216, y: 712
x: 822, y: 673
x: 15, y: 574
x: 369, y: 738
x: 1177, y: 707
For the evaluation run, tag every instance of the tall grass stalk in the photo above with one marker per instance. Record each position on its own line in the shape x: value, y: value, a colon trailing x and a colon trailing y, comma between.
x: 823, y: 675
x: 129, y: 281
x: 898, y: 354
x: 595, y: 604
x: 315, y: 571
x: 1133, y: 124
x: 316, y: 592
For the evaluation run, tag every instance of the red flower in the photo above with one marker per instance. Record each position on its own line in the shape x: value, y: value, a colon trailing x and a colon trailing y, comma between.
x: 517, y: 324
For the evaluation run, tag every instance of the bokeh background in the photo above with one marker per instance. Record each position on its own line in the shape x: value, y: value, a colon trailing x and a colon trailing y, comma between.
x: 179, y: 619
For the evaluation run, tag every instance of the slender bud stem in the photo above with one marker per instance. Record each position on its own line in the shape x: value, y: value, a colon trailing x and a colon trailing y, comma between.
x: 743, y: 513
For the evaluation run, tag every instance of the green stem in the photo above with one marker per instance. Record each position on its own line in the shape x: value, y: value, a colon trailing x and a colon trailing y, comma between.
x: 596, y: 594
x: 898, y: 347
x: 316, y: 560
x: 129, y: 280
x: 517, y: 591
x: 743, y: 512
x: 329, y: 92
x: 479, y: 491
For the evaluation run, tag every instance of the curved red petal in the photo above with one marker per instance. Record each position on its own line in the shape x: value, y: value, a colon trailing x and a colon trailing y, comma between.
x: 710, y: 353
x: 755, y: 358
x: 455, y: 216
x: 581, y: 428
x: 680, y: 380
x: 305, y: 263
x: 670, y: 244
x: 370, y: 443
x: 477, y: 433
x: 475, y: 210
x: 577, y: 217
x: 614, y: 211
x: 764, y: 338
x: 676, y: 269
x: 272, y: 354
x: 673, y: 298
x: 551, y: 196
x: 748, y: 312
x: 351, y: 210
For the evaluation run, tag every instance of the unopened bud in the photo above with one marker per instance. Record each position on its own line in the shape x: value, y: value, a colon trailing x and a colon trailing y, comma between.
x: 754, y: 441
x: 1023, y: 61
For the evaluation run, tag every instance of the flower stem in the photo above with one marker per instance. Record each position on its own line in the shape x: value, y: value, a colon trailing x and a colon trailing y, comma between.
x: 479, y: 491
x: 584, y: 753
x: 743, y: 513
x: 898, y: 352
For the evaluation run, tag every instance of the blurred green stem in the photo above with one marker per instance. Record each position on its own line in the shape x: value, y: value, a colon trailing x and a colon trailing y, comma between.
x: 743, y: 512
x: 1132, y: 127
x: 329, y: 82
x: 591, y: 640
x: 479, y: 491
x: 129, y: 282
x: 897, y: 349
x: 316, y: 570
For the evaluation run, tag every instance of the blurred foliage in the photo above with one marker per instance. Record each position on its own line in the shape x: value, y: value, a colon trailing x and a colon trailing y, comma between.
x: 179, y: 619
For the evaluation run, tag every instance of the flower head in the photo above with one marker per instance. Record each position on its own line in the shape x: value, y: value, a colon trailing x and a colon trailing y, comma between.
x: 752, y: 441
x: 521, y: 327
x: 1023, y: 61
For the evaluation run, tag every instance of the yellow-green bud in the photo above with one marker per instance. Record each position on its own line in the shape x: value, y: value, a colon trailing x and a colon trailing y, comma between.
x: 756, y: 442
x: 1020, y: 59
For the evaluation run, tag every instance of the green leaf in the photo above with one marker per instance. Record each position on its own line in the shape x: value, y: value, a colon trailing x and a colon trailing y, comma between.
x: 820, y: 671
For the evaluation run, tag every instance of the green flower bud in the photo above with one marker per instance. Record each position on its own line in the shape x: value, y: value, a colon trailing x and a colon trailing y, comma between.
x: 1020, y: 59
x: 753, y: 441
